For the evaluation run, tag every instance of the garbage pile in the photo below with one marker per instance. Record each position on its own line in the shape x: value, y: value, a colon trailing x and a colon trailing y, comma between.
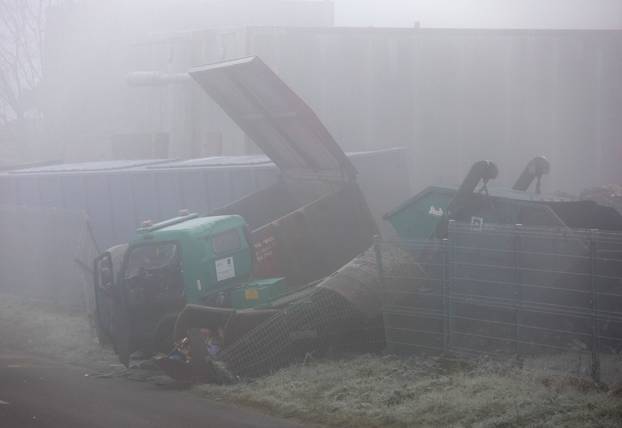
x: 609, y: 195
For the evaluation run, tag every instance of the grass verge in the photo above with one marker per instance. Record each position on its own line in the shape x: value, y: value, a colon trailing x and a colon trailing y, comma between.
x: 39, y: 327
x: 372, y: 391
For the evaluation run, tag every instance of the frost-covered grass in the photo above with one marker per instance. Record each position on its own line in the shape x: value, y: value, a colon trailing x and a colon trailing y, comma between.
x: 39, y: 327
x: 372, y: 391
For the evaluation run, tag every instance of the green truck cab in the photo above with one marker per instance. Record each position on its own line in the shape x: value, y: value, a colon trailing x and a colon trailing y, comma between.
x: 208, y: 254
x: 183, y: 260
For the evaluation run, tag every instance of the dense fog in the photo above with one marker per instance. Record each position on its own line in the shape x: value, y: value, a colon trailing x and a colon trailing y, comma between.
x: 214, y: 190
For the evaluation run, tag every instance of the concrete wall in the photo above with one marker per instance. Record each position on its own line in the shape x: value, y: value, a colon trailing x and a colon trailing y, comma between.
x: 457, y: 96
x: 451, y: 96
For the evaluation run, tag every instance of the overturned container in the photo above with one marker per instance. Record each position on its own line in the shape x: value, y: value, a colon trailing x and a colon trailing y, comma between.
x: 505, y: 271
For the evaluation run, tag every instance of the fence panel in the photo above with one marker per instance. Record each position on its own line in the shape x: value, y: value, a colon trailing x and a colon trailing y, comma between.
x: 549, y: 295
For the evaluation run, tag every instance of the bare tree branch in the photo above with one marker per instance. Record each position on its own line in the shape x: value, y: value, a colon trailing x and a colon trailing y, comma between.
x: 21, y: 46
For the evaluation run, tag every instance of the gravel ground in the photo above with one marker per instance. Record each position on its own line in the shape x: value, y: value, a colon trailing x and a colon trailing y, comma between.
x: 62, y: 333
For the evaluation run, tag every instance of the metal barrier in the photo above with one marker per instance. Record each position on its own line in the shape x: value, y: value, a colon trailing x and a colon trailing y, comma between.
x: 549, y: 295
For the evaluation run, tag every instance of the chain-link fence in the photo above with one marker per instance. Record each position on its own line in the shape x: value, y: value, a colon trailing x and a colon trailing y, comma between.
x: 551, y: 297
x: 47, y: 254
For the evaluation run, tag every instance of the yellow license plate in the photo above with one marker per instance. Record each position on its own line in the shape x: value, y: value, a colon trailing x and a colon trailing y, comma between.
x: 251, y: 294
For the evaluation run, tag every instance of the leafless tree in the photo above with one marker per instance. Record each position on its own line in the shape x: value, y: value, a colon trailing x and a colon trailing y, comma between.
x: 21, y: 60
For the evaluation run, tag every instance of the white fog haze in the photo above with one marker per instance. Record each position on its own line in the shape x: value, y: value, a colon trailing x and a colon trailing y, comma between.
x: 534, y: 14
x: 290, y: 213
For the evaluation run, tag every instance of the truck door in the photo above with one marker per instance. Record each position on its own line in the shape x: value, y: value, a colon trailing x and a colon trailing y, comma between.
x: 104, y: 286
x: 111, y: 310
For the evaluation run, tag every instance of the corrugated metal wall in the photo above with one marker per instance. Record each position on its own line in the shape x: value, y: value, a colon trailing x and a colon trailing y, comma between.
x: 118, y: 195
x: 117, y: 201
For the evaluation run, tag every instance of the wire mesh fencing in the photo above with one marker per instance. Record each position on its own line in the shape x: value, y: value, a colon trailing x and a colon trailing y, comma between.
x: 341, y: 313
x: 549, y: 297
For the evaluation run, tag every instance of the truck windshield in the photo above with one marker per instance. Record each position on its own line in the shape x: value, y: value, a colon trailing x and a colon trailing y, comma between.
x: 154, y: 256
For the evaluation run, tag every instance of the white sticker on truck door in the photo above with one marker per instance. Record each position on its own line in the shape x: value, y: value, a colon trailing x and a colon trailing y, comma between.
x: 225, y: 269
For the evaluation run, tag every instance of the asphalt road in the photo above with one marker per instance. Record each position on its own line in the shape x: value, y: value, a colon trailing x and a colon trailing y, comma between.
x: 36, y: 392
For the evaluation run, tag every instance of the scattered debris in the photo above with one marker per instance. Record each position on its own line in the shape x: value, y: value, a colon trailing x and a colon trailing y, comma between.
x: 610, y: 195
x: 560, y: 383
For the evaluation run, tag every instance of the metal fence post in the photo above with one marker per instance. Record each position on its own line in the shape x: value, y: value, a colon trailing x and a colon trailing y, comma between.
x: 518, y: 292
x: 444, y: 291
x: 380, y: 267
x: 451, y: 243
x: 594, y: 302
